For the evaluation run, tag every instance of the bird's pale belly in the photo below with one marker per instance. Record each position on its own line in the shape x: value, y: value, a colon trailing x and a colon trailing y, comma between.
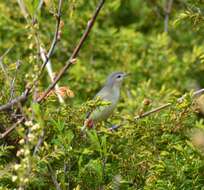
x: 102, y: 113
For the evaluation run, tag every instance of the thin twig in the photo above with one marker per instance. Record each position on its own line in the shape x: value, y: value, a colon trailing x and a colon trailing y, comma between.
x: 50, y: 73
x: 179, y: 100
x: 76, y: 50
x: 9, y: 130
x: 1, y: 63
x: 152, y: 111
x: 198, y: 92
x: 27, y: 91
x: 55, y: 39
x: 155, y: 110
x: 21, y: 98
x: 167, y: 11
x: 23, y: 8
x: 13, y: 80
x: 40, y: 141
x: 53, y: 176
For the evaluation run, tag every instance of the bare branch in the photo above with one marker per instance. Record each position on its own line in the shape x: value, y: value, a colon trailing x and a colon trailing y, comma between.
x: 71, y: 60
x: 53, y: 176
x: 55, y: 39
x: 50, y: 72
x: 1, y: 63
x: 152, y: 111
x: 155, y: 110
x: 15, y: 101
x: 13, y: 80
x: 9, y: 130
x: 39, y: 143
x: 76, y: 50
x: 179, y: 100
x: 167, y: 11
x: 198, y: 92
x: 26, y: 93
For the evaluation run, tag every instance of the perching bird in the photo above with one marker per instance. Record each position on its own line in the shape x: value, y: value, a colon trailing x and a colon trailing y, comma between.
x: 110, y: 93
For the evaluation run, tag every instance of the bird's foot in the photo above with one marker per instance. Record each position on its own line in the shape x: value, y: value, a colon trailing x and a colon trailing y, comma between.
x: 113, y: 128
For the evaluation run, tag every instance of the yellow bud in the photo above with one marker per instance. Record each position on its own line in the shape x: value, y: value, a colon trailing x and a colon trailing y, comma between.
x: 16, y: 166
x: 14, y: 178
x: 22, y: 141
x: 28, y: 123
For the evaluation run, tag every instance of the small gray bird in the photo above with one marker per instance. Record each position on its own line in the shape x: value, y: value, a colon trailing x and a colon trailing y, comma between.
x: 110, y: 93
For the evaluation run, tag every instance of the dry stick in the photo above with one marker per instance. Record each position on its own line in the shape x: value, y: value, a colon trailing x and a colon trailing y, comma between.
x: 53, y: 176
x: 179, y: 100
x: 198, y: 92
x: 50, y: 73
x: 152, y: 111
x: 1, y: 63
x: 167, y: 10
x: 26, y: 93
x: 21, y: 99
x: 40, y: 141
x: 75, y: 52
x: 55, y: 39
x: 69, y: 63
x: 3, y: 135
x: 13, y: 80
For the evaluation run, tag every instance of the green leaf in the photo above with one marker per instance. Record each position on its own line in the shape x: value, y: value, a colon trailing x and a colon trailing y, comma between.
x: 94, y: 140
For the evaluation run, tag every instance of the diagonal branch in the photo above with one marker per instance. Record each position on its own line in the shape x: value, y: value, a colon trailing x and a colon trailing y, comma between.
x: 55, y: 39
x: 167, y: 11
x: 1, y: 63
x: 26, y: 93
x: 15, y: 101
x: 71, y: 60
x: 53, y: 176
x: 9, y: 130
x: 76, y: 50
x: 158, y: 109
x: 14, y: 78
x: 152, y: 111
x: 179, y: 100
x: 51, y: 74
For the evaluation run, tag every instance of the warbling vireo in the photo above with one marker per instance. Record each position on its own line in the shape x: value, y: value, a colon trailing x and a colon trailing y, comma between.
x: 110, y: 93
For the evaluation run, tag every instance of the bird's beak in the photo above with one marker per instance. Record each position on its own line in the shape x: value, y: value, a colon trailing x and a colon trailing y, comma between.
x: 127, y: 74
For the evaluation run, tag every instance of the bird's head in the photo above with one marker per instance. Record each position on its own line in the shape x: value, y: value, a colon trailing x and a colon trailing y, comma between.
x: 116, y: 79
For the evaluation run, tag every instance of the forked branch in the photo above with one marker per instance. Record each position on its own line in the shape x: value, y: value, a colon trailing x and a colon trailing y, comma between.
x: 70, y: 61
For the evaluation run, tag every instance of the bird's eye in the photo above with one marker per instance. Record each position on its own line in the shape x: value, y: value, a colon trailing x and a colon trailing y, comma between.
x: 119, y: 76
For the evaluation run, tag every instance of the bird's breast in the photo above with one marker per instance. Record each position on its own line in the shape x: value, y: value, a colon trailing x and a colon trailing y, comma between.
x: 103, y: 112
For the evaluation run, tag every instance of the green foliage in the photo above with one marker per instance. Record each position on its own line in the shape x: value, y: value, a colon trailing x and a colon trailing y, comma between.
x: 154, y: 152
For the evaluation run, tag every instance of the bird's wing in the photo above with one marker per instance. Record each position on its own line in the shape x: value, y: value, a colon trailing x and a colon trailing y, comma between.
x: 103, y: 95
x: 88, y: 114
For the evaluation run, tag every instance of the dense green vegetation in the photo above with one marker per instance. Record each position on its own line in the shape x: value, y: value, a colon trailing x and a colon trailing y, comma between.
x: 155, y: 152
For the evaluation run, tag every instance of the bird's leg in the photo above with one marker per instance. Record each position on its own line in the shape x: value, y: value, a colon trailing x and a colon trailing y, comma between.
x: 90, y: 123
x: 114, y: 128
x: 111, y: 126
